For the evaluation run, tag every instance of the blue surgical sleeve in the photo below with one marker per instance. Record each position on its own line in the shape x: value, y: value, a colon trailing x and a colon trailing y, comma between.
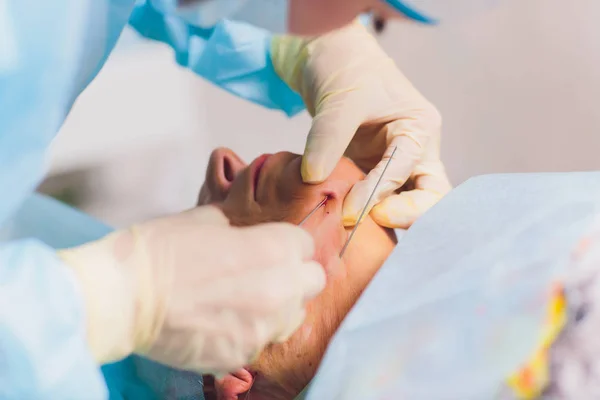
x: 39, y: 295
x: 47, y: 56
x: 234, y: 56
x: 132, y: 378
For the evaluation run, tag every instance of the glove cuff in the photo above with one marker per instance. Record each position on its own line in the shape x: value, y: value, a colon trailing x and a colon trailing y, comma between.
x: 125, y: 299
x: 288, y: 56
x: 291, y: 54
x: 108, y: 295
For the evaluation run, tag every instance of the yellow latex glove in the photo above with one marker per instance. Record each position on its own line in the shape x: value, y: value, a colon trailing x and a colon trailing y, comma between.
x: 192, y: 292
x: 362, y: 107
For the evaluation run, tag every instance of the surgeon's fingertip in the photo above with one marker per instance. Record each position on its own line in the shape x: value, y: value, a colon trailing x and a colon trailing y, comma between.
x: 383, y: 217
x: 349, y: 220
x: 312, y: 172
x: 350, y: 211
x: 398, y: 212
x: 353, y: 219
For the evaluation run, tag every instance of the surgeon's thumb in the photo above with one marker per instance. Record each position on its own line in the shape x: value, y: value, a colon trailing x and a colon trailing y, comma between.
x: 399, y: 211
x: 363, y: 192
x: 333, y: 127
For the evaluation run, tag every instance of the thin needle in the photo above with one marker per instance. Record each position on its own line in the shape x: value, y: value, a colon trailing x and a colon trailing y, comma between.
x: 313, y: 211
x: 367, y: 205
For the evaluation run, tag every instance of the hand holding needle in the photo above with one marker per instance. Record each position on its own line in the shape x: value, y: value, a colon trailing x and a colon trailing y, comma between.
x: 367, y: 205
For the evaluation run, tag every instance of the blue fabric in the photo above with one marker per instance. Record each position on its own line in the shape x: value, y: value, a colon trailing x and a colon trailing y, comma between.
x: 460, y: 302
x: 49, y: 52
x: 410, y: 12
x: 132, y: 378
x: 233, y: 55
x: 38, y: 295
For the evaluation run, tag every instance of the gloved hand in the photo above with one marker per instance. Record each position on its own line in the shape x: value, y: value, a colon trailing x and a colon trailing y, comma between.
x: 194, y: 293
x: 363, y: 107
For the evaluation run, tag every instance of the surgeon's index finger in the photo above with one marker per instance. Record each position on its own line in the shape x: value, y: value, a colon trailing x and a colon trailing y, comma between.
x: 406, y: 155
x: 333, y: 128
x: 278, y: 243
x: 402, y: 210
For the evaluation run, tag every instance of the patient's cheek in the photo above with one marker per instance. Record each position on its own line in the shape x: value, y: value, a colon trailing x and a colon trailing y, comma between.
x: 328, y: 243
x: 335, y: 268
x: 305, y: 332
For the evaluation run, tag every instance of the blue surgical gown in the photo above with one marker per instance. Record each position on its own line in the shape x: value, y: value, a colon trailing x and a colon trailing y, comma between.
x: 49, y: 52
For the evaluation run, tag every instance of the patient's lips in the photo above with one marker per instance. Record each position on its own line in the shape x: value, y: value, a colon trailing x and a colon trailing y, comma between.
x: 255, y: 169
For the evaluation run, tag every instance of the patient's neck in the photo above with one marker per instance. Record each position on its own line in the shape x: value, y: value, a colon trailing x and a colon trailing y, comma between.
x: 368, y: 249
x: 370, y: 246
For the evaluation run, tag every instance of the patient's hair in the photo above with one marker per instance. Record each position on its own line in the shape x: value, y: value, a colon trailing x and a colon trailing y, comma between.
x: 288, y: 380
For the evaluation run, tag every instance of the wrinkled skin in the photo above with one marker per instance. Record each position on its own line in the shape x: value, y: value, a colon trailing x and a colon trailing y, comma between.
x: 271, y: 189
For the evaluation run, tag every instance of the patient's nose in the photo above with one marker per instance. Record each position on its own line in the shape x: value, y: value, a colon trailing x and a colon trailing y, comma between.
x: 225, y: 167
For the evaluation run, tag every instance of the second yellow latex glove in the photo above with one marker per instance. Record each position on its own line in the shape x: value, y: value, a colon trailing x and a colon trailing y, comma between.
x: 192, y: 292
x: 363, y: 107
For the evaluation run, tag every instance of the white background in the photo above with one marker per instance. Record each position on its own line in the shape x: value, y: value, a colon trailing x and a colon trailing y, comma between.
x: 518, y: 87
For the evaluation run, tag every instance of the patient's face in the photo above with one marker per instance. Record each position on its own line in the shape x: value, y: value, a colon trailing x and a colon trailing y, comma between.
x: 271, y: 189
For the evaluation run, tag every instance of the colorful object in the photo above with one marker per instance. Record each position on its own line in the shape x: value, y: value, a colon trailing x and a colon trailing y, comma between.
x: 462, y: 301
x: 529, y: 382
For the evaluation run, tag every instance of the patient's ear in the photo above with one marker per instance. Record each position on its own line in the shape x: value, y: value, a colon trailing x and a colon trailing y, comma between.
x: 223, y: 167
x: 230, y: 387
